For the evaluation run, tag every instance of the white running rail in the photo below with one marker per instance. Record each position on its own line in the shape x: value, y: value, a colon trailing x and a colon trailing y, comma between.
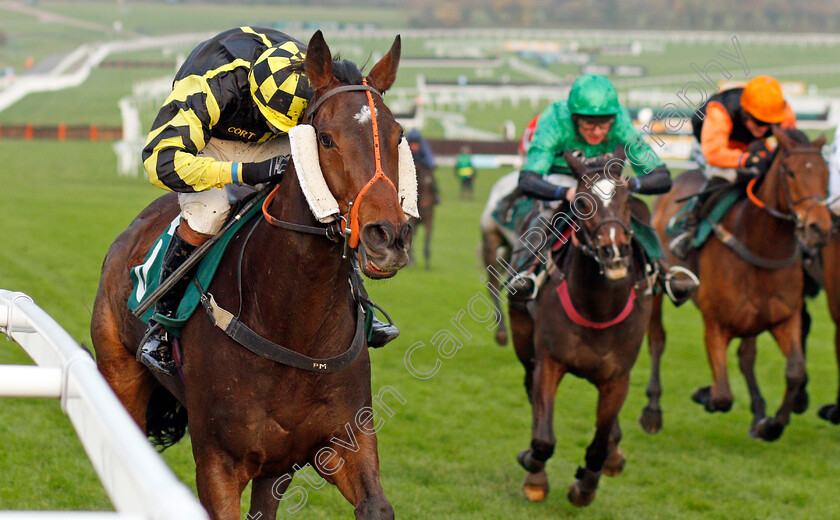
x: 139, y: 483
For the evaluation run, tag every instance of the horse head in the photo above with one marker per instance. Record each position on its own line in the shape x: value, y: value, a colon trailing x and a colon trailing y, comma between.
x: 357, y: 140
x: 804, y: 183
x: 602, y: 205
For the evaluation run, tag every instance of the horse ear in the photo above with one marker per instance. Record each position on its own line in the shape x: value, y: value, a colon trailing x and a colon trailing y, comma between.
x: 384, y: 73
x: 784, y: 141
x: 620, y: 153
x: 318, y: 65
x: 819, y: 142
x: 575, y: 164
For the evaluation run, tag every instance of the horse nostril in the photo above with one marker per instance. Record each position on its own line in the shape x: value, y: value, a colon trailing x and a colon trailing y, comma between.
x: 378, y: 235
x: 405, y: 235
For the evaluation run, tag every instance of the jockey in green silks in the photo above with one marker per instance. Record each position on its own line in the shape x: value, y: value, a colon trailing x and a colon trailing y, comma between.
x: 592, y: 121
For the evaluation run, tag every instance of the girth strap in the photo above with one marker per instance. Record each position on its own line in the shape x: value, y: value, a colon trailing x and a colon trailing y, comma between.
x: 257, y: 344
x: 729, y: 240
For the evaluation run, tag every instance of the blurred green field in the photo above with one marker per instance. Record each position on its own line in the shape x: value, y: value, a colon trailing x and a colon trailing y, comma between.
x: 449, y: 452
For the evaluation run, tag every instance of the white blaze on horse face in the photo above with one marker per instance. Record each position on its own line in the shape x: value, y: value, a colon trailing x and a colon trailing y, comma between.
x: 616, y: 252
x: 363, y: 117
x: 604, y: 189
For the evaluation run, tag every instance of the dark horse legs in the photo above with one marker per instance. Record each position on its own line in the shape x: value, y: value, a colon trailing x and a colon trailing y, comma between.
x: 602, y: 453
x: 611, y: 395
x: 651, y: 418
x: 746, y: 361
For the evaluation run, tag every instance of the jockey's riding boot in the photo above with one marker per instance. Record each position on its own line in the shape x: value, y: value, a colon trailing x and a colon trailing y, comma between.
x: 698, y: 208
x: 156, y: 349
x: 381, y: 333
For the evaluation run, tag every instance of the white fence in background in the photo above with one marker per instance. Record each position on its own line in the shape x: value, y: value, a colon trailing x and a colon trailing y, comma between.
x: 138, y: 482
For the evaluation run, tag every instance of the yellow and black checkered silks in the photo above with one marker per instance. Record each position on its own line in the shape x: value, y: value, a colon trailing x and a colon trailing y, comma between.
x: 280, y: 92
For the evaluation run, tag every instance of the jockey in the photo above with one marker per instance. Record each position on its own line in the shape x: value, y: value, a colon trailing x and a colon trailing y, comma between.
x: 235, y: 94
x: 422, y: 154
x: 592, y: 121
x: 731, y: 129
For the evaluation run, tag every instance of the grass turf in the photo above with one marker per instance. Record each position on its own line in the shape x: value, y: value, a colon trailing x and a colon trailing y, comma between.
x: 449, y: 451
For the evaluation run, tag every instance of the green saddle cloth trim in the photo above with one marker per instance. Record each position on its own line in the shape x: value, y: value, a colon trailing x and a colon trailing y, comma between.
x: 714, y: 217
x: 647, y: 238
x: 514, y: 215
x: 145, y: 278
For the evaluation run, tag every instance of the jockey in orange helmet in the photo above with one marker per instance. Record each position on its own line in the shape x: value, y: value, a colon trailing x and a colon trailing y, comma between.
x: 731, y: 129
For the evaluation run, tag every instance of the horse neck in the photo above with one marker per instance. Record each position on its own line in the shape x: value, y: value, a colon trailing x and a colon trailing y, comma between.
x: 592, y: 294
x: 759, y: 230
x: 295, y: 282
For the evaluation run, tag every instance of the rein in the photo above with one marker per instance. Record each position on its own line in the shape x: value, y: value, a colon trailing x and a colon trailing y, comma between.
x: 729, y: 239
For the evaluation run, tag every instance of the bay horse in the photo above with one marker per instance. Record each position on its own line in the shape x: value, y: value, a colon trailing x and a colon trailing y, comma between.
x: 251, y: 418
x: 426, y: 207
x: 589, y: 320
x: 751, y: 279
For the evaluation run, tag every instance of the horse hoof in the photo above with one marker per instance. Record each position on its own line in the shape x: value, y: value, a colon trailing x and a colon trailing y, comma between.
x: 769, y: 429
x: 753, y: 433
x: 578, y: 497
x: 703, y: 396
x: 614, y: 464
x: 502, y: 338
x: 535, y: 486
x: 800, y: 402
x: 831, y: 413
x: 651, y: 420
x: 530, y: 464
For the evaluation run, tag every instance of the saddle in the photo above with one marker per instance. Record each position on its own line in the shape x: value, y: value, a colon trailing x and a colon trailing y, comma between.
x: 145, y: 277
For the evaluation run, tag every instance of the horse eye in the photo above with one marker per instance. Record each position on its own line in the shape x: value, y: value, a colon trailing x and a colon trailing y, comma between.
x: 402, y: 135
x: 325, y: 140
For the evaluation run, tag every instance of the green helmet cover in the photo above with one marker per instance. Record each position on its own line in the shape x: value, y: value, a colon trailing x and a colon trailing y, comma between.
x: 593, y: 95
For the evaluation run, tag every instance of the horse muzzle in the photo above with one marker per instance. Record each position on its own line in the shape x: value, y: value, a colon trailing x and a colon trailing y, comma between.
x: 384, y: 248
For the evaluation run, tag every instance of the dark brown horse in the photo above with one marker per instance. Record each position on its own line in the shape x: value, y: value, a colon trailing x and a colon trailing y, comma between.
x: 426, y: 195
x: 831, y: 274
x: 250, y: 418
x: 589, y: 320
x: 751, y: 279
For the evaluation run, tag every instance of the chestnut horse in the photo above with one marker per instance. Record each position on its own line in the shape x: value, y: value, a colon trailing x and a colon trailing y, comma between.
x: 751, y: 279
x: 831, y: 259
x: 426, y: 207
x: 251, y: 418
x: 589, y: 320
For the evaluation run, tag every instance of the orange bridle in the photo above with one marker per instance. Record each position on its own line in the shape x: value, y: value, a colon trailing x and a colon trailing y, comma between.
x: 352, y: 219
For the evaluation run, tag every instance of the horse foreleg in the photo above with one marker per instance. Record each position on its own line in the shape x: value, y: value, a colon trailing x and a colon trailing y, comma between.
x: 356, y: 474
x: 611, y: 395
x: 787, y: 335
x: 718, y: 397
x: 746, y: 361
x: 266, y: 493
x: 427, y: 244
x: 651, y: 418
x: 547, y: 375
x: 219, y: 482
x: 831, y: 412
x: 522, y: 328
x: 614, y: 464
x: 491, y: 242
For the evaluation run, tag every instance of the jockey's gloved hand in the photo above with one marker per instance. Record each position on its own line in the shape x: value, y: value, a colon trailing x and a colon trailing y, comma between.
x: 758, y: 159
x: 265, y: 171
x: 656, y: 182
